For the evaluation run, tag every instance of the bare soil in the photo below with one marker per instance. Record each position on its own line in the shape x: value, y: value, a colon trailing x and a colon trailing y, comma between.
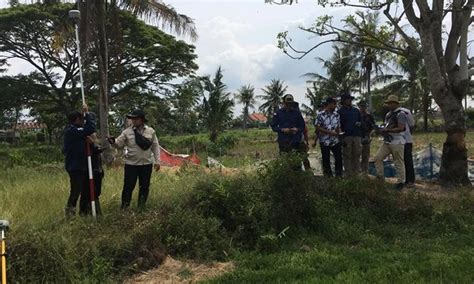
x: 176, y: 271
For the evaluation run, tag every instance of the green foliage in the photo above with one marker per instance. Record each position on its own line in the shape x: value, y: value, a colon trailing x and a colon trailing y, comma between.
x: 470, y: 117
x: 278, y: 223
x: 222, y: 145
x: 217, y: 106
x: 246, y: 96
x: 142, y: 59
x: 273, y: 94
x: 31, y: 155
x: 186, y: 143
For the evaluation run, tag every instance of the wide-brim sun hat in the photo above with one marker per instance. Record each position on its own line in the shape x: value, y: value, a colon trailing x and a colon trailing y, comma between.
x: 392, y: 99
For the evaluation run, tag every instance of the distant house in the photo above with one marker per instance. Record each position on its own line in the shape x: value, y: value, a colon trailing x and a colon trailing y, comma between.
x: 30, y: 126
x: 258, y: 118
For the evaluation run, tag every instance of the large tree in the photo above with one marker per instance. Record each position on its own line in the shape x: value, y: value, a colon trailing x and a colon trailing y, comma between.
x: 448, y: 80
x: 146, y: 60
x: 95, y: 39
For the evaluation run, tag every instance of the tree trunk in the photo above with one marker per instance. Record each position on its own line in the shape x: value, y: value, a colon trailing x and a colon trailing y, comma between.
x: 246, y: 117
x: 102, y: 59
x: 213, y: 136
x: 426, y: 109
x: 369, y: 94
x: 454, y: 158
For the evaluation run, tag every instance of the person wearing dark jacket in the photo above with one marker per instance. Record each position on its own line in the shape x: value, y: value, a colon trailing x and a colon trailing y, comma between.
x: 289, y: 124
x: 80, y: 126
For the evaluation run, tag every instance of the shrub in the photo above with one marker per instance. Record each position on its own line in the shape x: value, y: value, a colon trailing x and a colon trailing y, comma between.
x: 33, y: 155
x: 239, y: 203
x: 222, y: 145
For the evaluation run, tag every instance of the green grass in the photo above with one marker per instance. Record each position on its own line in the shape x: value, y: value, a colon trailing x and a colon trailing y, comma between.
x: 339, y: 230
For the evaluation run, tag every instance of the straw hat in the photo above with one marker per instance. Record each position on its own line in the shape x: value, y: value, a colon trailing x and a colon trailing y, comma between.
x: 392, y: 99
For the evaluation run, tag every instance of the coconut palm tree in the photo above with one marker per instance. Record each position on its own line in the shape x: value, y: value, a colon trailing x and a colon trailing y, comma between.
x: 342, y: 74
x: 272, y: 96
x: 371, y: 61
x: 246, y: 96
x: 315, y: 97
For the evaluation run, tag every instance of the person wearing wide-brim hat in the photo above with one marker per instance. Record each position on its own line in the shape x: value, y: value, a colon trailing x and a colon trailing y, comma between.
x: 367, y: 126
x: 351, y: 140
x: 142, y: 151
x: 393, y: 140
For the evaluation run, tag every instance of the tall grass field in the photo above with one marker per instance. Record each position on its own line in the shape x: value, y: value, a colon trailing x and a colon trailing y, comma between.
x: 277, y: 224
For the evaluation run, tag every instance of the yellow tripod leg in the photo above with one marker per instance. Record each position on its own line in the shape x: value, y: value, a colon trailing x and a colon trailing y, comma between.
x: 4, y: 263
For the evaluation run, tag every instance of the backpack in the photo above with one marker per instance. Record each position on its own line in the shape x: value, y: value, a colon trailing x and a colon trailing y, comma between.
x: 410, y: 117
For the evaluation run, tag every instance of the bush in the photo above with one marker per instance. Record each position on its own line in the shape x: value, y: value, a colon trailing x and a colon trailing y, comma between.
x: 239, y: 203
x: 32, y: 155
x: 184, y: 144
x: 224, y: 143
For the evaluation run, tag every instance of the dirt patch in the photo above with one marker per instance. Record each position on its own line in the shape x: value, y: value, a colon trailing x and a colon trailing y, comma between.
x: 175, y: 271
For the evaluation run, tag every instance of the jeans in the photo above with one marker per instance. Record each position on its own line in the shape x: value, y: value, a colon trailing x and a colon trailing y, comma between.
x: 132, y: 173
x: 326, y: 155
x: 408, y: 158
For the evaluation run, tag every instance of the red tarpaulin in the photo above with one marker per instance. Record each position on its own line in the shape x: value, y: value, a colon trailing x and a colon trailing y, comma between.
x: 171, y: 160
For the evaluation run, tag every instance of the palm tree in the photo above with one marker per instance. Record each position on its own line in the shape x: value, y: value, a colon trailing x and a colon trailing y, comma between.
x: 217, y: 107
x: 372, y: 61
x: 315, y: 97
x: 342, y: 74
x: 246, y: 96
x: 273, y: 94
x: 95, y: 12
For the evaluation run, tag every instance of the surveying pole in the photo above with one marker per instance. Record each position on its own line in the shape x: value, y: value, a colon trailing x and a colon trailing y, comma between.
x: 75, y: 15
x: 4, y: 225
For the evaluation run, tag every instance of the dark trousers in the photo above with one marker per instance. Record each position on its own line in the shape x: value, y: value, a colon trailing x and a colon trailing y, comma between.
x: 287, y: 146
x: 409, y: 169
x: 85, y: 202
x: 326, y: 154
x: 296, y: 147
x: 79, y: 183
x: 132, y: 173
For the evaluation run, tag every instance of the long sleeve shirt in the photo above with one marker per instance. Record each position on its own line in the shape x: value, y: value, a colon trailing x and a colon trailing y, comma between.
x: 134, y: 155
x: 349, y: 117
x: 74, y: 148
x: 285, y: 118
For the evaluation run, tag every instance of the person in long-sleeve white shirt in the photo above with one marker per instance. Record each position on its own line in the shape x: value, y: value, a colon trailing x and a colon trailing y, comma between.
x: 139, y: 158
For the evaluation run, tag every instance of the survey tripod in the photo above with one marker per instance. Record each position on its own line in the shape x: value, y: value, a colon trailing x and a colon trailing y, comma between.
x: 4, y: 225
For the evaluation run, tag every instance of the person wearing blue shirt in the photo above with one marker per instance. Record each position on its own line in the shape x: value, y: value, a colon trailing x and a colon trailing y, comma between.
x: 351, y: 129
x: 79, y: 128
x: 289, y: 124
